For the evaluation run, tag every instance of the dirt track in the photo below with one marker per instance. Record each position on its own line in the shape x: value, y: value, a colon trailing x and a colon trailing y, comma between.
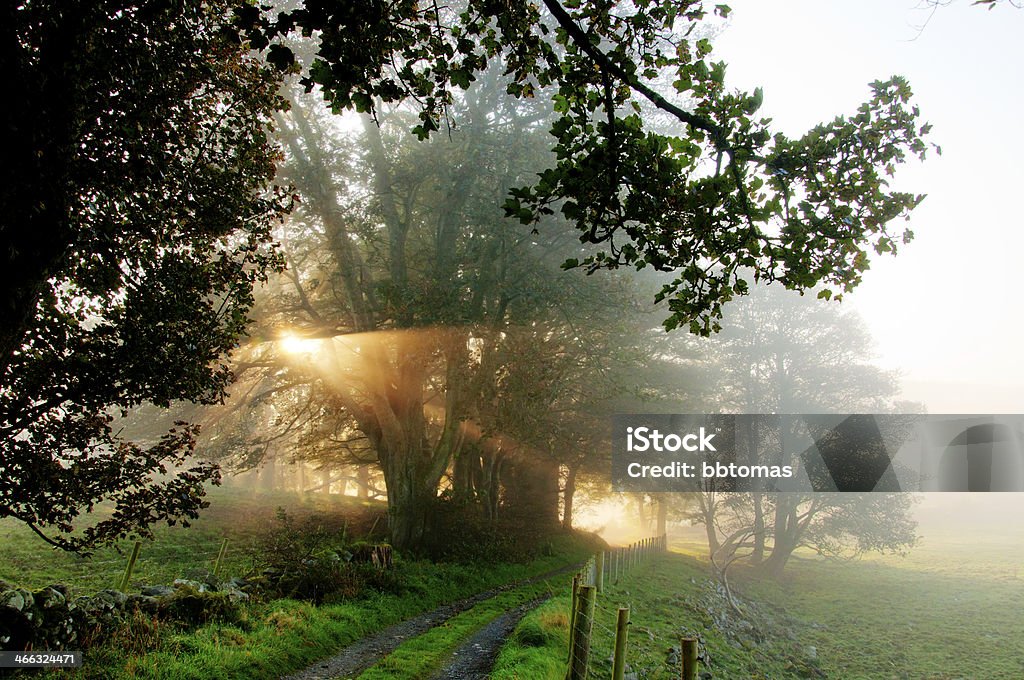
x: 475, y: 658
x: 350, y: 661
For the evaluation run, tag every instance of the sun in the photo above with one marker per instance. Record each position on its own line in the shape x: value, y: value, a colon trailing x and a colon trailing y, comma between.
x: 295, y: 345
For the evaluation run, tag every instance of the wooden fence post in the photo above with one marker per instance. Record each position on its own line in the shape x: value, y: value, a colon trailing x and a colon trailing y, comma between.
x: 689, y: 655
x: 621, y: 629
x: 220, y: 556
x: 131, y: 565
x: 572, y: 611
x: 584, y: 623
x: 599, y: 572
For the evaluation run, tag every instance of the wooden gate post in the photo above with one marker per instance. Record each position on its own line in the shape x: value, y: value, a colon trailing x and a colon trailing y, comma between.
x: 621, y: 630
x: 689, y: 654
x: 584, y: 622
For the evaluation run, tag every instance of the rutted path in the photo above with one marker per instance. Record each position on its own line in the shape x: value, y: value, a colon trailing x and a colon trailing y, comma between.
x: 474, y: 659
x: 360, y: 655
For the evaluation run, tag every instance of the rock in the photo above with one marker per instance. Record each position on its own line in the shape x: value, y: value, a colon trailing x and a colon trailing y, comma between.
x: 235, y: 594
x: 12, y: 599
x: 157, y: 591
x: 145, y: 603
x: 49, y: 598
x: 115, y: 597
x: 811, y: 652
x: 188, y: 583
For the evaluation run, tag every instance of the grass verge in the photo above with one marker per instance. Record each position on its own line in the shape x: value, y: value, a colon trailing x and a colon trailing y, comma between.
x: 425, y: 654
x: 282, y: 636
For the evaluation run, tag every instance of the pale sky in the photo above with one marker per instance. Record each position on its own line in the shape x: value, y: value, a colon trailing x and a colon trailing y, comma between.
x: 948, y: 310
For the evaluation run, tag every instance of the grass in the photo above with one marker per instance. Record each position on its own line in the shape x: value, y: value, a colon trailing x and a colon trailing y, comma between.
x: 273, y: 638
x: 660, y: 595
x: 236, y: 515
x: 950, y: 610
x: 424, y: 654
x: 538, y: 647
x: 282, y: 636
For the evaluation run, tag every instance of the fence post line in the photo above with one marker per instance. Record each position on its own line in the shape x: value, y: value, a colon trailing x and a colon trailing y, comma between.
x: 621, y: 630
x: 581, y: 633
x: 600, y: 572
x: 572, y: 612
x: 123, y: 585
x: 689, y: 654
x: 220, y: 556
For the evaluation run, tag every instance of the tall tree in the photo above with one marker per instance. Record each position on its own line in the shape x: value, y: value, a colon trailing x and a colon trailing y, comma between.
x: 136, y: 217
x: 784, y: 354
x: 440, y: 335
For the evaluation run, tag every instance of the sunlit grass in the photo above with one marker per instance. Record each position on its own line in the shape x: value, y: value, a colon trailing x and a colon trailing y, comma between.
x: 240, y: 516
x: 950, y: 609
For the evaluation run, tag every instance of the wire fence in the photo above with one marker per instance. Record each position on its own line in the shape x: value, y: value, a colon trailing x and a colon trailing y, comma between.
x: 153, y: 562
x: 590, y: 617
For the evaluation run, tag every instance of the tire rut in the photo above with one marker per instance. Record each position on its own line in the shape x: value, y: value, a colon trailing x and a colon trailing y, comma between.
x: 474, y: 659
x: 352, y: 660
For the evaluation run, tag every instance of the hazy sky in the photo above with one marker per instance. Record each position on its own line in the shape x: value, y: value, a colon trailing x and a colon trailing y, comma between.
x: 947, y: 311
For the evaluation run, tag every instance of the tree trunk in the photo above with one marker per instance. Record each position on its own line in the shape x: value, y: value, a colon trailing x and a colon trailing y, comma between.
x: 662, y: 516
x: 363, y: 480
x: 532, y: 491
x: 568, y: 494
x: 757, y: 554
x: 753, y: 447
x: 408, y: 513
x: 707, y: 509
x: 787, y: 535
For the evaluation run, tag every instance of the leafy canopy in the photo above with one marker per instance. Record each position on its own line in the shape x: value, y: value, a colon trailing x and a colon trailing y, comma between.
x: 136, y: 221
x: 720, y: 195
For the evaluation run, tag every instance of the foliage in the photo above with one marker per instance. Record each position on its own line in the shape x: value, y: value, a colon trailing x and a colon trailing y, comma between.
x: 304, y: 561
x: 437, y: 341
x: 783, y: 354
x: 724, y: 194
x: 192, y: 606
x: 236, y: 514
x: 283, y: 636
x: 460, y: 534
x: 136, y: 221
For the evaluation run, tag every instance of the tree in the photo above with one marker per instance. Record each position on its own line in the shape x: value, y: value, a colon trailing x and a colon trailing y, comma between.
x: 781, y: 354
x: 722, y: 200
x: 153, y: 135
x: 137, y: 210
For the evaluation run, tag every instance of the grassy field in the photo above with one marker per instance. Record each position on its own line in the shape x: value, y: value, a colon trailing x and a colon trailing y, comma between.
x: 952, y: 608
x: 270, y: 638
x: 233, y: 514
x: 669, y: 597
x: 949, y: 610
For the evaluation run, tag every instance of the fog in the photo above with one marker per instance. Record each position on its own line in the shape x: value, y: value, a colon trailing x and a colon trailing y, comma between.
x: 945, y: 312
